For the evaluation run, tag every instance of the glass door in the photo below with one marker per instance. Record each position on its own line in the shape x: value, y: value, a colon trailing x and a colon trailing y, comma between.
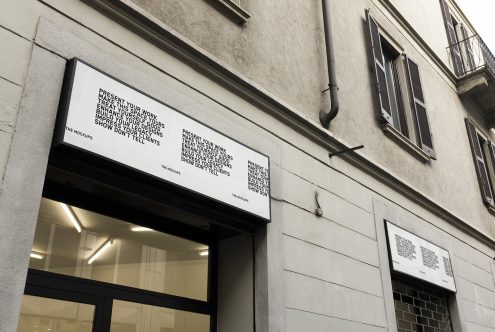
x: 62, y: 314
x: 137, y: 317
x: 90, y: 272
x: 40, y: 314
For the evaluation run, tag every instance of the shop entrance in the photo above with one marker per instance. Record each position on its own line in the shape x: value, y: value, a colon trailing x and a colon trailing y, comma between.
x: 116, y: 250
x: 52, y: 303
x: 93, y: 272
x: 132, y: 235
x: 51, y: 310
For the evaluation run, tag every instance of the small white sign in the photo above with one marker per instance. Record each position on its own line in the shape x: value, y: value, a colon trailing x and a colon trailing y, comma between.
x: 113, y: 120
x: 419, y: 258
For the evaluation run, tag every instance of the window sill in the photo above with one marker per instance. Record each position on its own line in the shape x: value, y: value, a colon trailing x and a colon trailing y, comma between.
x: 239, y: 14
x: 406, y: 143
x: 491, y: 209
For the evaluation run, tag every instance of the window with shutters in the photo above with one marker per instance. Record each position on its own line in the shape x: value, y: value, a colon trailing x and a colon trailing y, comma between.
x: 400, y: 100
x: 481, y: 148
x: 392, y: 63
x: 469, y: 62
x: 461, y: 52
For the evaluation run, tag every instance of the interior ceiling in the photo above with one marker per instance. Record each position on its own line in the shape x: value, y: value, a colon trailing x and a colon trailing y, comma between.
x: 51, y: 212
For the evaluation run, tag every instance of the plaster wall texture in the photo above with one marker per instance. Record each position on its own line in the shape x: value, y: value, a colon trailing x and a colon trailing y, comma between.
x: 23, y: 182
x: 14, y: 60
x: 425, y: 17
x: 451, y: 179
x: 308, y: 268
x: 281, y: 49
x: 295, y: 71
x: 10, y: 97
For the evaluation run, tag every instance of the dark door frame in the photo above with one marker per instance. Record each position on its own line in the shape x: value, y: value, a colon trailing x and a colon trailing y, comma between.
x: 101, y: 294
x: 36, y: 287
x: 106, y: 190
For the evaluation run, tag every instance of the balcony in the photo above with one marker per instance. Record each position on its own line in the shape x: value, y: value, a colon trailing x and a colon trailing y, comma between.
x: 474, y: 65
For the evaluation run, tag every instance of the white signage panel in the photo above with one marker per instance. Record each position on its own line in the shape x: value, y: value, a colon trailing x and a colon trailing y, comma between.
x: 115, y: 121
x: 419, y: 258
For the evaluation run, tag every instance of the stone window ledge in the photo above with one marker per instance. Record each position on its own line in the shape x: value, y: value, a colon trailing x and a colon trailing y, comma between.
x: 406, y: 143
x: 491, y: 208
x: 239, y: 14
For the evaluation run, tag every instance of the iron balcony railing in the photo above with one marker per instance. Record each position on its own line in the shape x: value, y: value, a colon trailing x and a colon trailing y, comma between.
x: 470, y: 55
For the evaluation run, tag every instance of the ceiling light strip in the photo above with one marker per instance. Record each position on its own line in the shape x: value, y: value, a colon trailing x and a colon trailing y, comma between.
x: 140, y: 229
x: 36, y: 255
x: 72, y: 217
x: 100, y: 250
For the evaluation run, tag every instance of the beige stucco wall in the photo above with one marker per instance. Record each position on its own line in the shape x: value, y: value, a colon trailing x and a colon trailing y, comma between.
x: 315, y: 265
x: 451, y: 179
x: 281, y: 49
x: 426, y: 18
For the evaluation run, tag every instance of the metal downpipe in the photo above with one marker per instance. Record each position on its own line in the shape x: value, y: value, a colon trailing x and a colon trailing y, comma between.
x: 325, y: 118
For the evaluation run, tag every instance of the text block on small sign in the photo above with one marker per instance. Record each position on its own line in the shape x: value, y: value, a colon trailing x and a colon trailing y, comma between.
x: 419, y: 258
x: 106, y: 117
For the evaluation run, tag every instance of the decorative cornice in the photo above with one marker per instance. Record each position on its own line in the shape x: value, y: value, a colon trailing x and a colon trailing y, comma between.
x: 141, y: 22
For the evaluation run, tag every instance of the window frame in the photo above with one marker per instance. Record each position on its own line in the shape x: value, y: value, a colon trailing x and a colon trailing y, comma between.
x: 410, y: 132
x: 72, y: 288
x: 469, y: 65
x: 427, y: 289
x: 487, y: 158
x: 394, y: 65
x: 101, y: 294
x: 451, y: 27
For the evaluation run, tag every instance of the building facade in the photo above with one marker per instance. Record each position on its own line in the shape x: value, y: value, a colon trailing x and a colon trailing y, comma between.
x: 396, y: 236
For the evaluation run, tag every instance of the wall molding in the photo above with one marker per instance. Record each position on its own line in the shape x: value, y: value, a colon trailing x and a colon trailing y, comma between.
x: 235, y: 10
x: 150, y: 28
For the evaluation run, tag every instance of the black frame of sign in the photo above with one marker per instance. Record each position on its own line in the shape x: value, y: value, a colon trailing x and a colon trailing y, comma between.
x: 231, y: 216
x: 403, y: 274
x: 95, y: 183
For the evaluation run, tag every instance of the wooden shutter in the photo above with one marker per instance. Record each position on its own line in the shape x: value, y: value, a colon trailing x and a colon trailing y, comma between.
x: 419, y: 108
x: 469, y: 49
x: 379, y: 69
x: 479, y: 163
x: 492, y: 154
x: 400, y: 103
x: 452, y: 38
x: 491, y: 148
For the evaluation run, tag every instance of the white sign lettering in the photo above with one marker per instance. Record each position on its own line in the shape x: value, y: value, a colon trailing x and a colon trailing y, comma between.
x: 419, y: 258
x: 112, y: 120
